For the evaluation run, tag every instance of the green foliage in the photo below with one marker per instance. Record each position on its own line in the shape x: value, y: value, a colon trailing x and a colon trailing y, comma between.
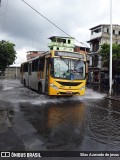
x: 105, y: 51
x: 7, y: 54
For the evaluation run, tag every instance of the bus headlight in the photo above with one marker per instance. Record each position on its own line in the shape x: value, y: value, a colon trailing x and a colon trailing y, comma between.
x: 56, y: 88
x: 82, y: 88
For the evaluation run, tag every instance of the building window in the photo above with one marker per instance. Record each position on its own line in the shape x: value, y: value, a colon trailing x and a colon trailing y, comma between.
x: 57, y: 48
x: 64, y: 40
x: 61, y: 40
x: 95, y: 46
x: 68, y: 41
x: 119, y: 32
x: 95, y: 60
x: 116, y: 32
x: 90, y: 61
x: 98, y: 30
x: 107, y: 30
x: 113, y: 31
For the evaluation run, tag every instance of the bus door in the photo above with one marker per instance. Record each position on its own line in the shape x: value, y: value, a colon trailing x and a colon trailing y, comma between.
x: 47, y: 76
x: 29, y: 73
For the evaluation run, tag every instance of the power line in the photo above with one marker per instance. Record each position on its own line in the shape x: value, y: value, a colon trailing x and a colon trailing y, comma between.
x: 50, y: 21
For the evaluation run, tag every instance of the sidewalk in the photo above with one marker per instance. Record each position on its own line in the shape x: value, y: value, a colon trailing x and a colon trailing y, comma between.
x: 113, y: 97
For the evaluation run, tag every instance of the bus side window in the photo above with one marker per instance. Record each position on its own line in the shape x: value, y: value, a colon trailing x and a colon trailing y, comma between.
x: 34, y: 65
x: 25, y: 67
x: 21, y: 68
x: 41, y: 64
x: 30, y: 68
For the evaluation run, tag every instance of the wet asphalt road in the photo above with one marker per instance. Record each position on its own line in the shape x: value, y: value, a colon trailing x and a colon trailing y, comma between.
x: 33, y: 122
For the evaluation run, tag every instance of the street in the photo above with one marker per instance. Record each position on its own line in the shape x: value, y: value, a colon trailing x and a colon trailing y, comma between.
x: 33, y: 122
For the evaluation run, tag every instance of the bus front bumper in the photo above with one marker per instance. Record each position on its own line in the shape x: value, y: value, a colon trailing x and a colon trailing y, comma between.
x: 65, y: 92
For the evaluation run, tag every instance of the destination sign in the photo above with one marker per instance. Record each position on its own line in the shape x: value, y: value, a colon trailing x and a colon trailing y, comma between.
x: 69, y: 54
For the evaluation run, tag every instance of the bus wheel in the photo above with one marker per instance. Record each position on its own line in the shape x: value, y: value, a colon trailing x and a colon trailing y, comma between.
x: 39, y: 88
x: 24, y: 82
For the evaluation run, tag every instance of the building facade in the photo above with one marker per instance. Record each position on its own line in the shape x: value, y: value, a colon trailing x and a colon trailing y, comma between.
x: 100, y: 34
x: 12, y: 72
x: 61, y: 43
x: 33, y: 54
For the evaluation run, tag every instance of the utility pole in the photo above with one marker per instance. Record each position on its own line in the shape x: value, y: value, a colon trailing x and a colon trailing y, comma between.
x: 110, y: 67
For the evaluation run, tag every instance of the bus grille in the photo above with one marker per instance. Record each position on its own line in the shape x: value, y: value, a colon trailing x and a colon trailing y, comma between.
x: 69, y: 83
x: 68, y: 93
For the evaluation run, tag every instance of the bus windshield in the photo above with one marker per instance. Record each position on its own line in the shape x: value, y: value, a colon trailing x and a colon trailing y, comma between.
x: 72, y: 69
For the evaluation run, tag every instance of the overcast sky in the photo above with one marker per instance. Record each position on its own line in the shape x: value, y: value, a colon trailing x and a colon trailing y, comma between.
x: 30, y: 31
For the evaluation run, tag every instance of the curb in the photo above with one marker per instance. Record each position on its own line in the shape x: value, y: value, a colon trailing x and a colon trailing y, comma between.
x: 113, y: 98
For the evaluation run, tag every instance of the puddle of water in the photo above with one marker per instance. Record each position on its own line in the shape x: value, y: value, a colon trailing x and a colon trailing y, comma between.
x: 7, y: 88
x: 26, y: 95
x: 91, y: 94
x: 22, y: 94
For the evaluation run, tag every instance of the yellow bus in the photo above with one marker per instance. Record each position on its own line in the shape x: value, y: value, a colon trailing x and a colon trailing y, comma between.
x: 59, y: 73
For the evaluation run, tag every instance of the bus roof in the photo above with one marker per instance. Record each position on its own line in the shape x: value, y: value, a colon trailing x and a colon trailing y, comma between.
x: 43, y: 54
x: 48, y: 52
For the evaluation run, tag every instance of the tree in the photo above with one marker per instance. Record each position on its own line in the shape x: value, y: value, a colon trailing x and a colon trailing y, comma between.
x: 105, y: 51
x: 105, y: 54
x: 7, y: 54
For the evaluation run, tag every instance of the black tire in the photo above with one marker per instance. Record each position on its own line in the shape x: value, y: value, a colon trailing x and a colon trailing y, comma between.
x: 39, y: 88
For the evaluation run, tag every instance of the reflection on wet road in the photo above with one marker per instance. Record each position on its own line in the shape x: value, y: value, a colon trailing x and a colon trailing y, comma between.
x: 61, y: 125
x: 29, y: 121
x: 104, y: 126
